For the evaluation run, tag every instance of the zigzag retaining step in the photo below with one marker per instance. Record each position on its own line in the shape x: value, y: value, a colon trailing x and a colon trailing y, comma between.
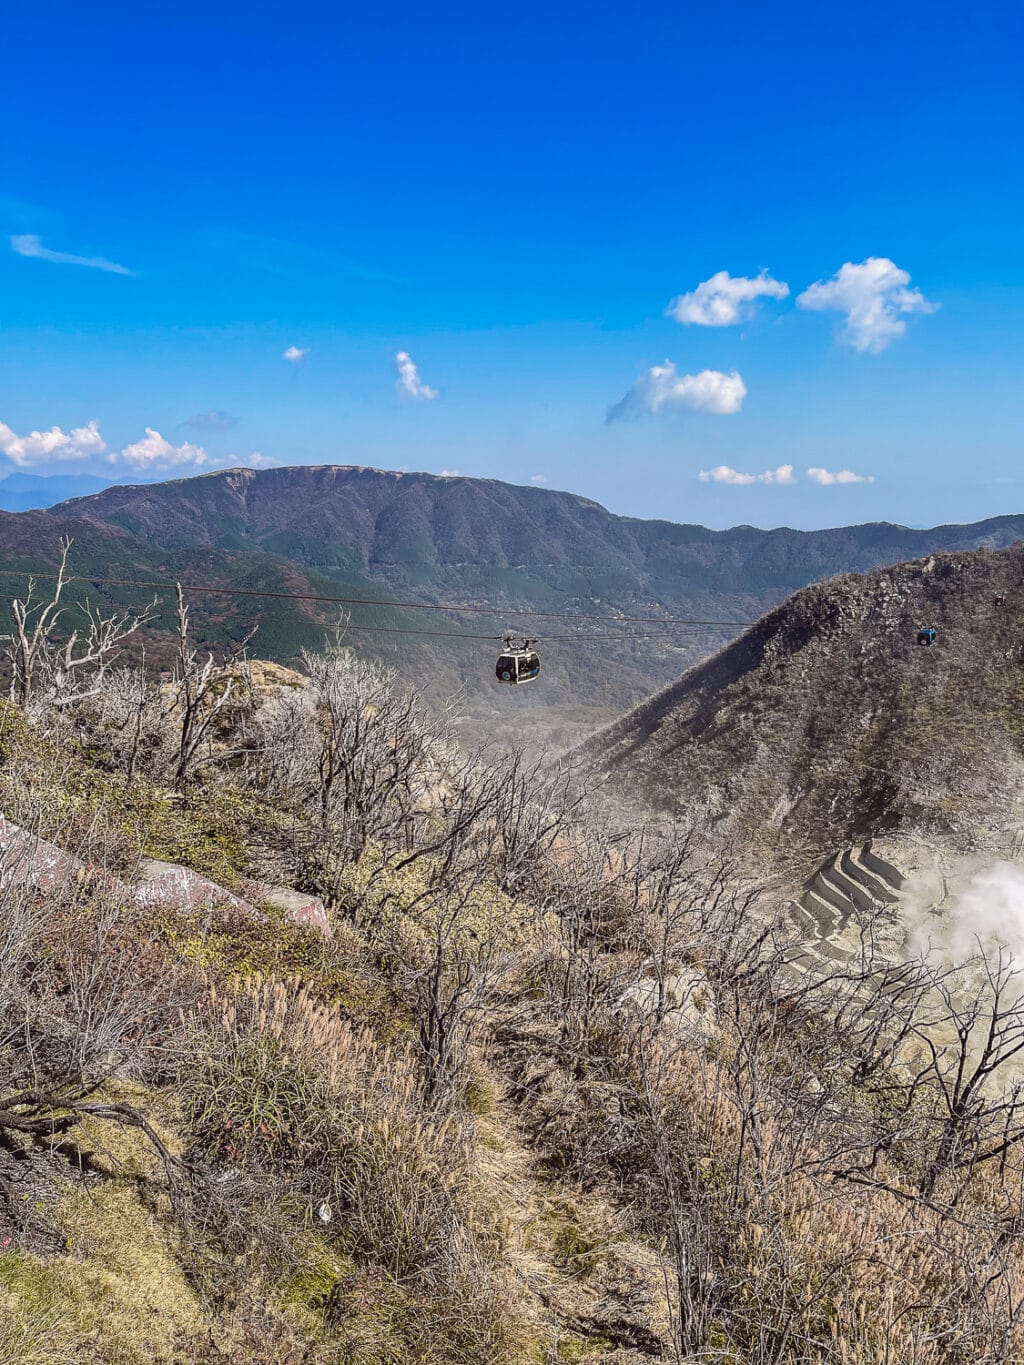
x: 822, y: 887
x: 850, y: 900
x: 874, y: 862
x: 874, y: 885
x: 850, y: 887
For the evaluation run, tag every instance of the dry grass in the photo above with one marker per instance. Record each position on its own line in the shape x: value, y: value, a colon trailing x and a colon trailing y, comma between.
x: 280, y: 1084
x: 118, y: 1297
x: 594, y: 1182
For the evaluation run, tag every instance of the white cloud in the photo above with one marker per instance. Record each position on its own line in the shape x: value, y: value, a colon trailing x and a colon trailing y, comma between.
x: 662, y: 389
x: 44, y: 447
x: 724, y: 474
x: 153, y: 451
x: 449, y: 473
x: 255, y: 460
x: 827, y: 478
x: 873, y: 295
x: 724, y: 299
x: 295, y: 354
x: 28, y: 244
x: 538, y: 478
x: 409, y: 384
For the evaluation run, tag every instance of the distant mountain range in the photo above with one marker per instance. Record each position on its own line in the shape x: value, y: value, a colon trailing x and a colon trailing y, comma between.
x: 440, y: 533
x: 20, y: 492
x: 364, y: 532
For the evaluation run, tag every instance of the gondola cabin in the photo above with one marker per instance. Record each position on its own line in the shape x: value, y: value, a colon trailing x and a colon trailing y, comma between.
x: 926, y: 635
x: 517, y: 664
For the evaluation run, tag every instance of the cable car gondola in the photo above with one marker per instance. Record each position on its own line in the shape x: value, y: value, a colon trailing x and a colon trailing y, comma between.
x: 517, y: 663
x: 926, y: 635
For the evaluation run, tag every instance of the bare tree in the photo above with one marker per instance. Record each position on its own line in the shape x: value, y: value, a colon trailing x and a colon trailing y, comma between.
x: 973, y: 1047
x: 46, y: 669
x: 537, y: 803
x: 452, y: 973
x: 201, y: 692
x: 357, y: 750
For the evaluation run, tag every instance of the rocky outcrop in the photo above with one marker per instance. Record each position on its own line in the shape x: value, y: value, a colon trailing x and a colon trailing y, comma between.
x: 26, y: 859
x: 171, y: 884
x: 298, y: 908
x: 30, y: 861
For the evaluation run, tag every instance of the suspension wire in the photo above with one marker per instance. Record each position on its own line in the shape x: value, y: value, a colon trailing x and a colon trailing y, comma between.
x: 543, y: 639
x: 457, y: 634
x: 159, y: 586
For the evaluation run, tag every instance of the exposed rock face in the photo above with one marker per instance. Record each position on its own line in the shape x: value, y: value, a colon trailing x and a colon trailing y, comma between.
x: 172, y: 885
x: 299, y: 908
x: 27, y: 860
x: 826, y: 722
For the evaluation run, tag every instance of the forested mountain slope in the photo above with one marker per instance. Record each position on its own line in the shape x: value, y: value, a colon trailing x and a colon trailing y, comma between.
x: 439, y: 532
x: 357, y: 532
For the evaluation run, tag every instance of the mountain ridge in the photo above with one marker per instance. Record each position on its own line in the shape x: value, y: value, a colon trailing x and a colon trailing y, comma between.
x: 355, y: 530
x: 825, y: 722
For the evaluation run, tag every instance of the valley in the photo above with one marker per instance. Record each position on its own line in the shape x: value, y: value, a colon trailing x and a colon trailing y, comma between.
x: 366, y: 533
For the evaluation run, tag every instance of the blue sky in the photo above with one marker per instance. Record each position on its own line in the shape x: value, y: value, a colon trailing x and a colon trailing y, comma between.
x: 513, y: 198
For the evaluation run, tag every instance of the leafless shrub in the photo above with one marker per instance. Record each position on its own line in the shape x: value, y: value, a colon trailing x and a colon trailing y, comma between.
x: 354, y: 748
x: 200, y: 693
x: 53, y: 670
x: 87, y: 999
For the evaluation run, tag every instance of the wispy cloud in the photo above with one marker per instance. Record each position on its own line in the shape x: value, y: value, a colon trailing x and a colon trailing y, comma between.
x: 48, y: 447
x: 210, y: 421
x: 723, y: 473
x: 18, y: 215
x: 724, y: 299
x: 449, y: 473
x: 827, y: 477
x: 662, y: 389
x: 295, y: 353
x: 28, y: 244
x: 874, y: 296
x: 538, y: 478
x: 409, y: 383
x: 279, y: 256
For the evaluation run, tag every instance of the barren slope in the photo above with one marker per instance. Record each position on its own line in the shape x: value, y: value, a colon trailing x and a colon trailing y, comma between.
x: 826, y: 722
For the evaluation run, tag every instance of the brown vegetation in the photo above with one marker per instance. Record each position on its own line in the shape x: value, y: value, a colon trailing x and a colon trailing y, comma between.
x: 551, y: 1092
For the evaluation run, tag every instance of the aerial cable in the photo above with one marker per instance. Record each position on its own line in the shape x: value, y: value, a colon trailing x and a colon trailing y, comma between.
x: 468, y: 635
x: 159, y: 586
x: 458, y: 634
